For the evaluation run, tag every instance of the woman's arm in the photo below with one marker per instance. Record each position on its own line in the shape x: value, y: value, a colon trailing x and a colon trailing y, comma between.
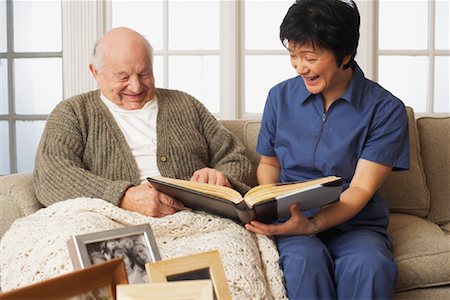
x: 268, y: 170
x: 367, y: 179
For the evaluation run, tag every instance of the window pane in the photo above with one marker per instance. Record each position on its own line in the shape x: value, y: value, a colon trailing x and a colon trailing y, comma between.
x: 411, y: 87
x: 38, y: 84
x: 158, y: 71
x: 261, y: 74
x: 4, y: 148
x: 3, y: 87
x: 2, y: 25
x: 194, y: 25
x: 405, y: 31
x: 442, y: 25
x: 37, y: 26
x: 442, y: 86
x: 28, y: 137
x: 143, y: 16
x: 262, y: 23
x: 198, y: 76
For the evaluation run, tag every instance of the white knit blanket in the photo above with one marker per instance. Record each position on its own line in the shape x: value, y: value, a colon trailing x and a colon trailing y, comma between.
x: 34, y: 248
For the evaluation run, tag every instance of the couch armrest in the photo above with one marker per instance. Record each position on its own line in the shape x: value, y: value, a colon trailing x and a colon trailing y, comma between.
x: 17, y: 199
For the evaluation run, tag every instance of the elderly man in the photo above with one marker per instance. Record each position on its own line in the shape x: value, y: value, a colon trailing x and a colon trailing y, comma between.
x: 104, y: 143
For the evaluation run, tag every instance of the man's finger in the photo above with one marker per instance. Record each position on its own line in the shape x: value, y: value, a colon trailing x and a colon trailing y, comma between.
x: 165, y: 210
x: 171, y: 202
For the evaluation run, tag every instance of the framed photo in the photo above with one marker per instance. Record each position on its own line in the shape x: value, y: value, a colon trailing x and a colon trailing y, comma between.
x: 92, y: 283
x: 186, y: 289
x: 207, y: 265
x: 135, y: 244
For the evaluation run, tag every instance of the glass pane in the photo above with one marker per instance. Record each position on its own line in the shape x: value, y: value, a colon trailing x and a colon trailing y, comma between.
x: 261, y: 74
x: 28, y: 136
x: 37, y: 26
x: 442, y: 25
x: 194, y: 25
x: 3, y: 87
x: 411, y: 87
x: 442, y: 86
x: 158, y: 71
x: 198, y: 76
x: 38, y: 84
x: 2, y: 25
x: 146, y: 17
x: 4, y: 148
x: 405, y: 31
x: 262, y: 23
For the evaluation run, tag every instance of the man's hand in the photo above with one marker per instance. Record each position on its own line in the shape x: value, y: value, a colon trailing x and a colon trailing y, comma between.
x: 146, y: 200
x: 211, y: 176
x: 298, y: 224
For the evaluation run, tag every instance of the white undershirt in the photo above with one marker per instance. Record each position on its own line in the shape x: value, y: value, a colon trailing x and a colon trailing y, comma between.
x: 139, y: 128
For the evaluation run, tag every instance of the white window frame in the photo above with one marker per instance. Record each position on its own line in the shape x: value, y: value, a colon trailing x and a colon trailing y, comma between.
x: 12, y: 117
x: 92, y: 19
x: 430, y: 52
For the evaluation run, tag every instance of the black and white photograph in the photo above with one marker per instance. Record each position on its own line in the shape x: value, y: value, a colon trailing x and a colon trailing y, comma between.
x: 135, y: 244
x: 131, y: 248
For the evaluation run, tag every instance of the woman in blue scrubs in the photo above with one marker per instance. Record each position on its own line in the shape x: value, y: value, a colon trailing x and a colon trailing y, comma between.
x: 331, y: 120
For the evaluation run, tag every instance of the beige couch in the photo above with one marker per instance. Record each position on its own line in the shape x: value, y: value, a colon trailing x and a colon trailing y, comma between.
x: 419, y: 200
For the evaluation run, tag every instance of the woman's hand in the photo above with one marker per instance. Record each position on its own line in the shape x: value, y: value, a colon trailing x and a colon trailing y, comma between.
x: 298, y: 224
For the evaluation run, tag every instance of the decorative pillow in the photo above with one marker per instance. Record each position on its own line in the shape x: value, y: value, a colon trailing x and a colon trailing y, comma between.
x: 434, y: 136
x: 406, y: 191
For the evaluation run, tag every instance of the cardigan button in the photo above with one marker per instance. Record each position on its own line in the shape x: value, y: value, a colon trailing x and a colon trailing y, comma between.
x: 163, y: 158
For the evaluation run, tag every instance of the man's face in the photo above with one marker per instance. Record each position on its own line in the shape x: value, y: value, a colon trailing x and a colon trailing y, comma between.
x: 126, y: 77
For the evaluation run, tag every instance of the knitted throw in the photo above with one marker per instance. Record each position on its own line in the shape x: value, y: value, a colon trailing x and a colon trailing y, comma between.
x: 34, y: 248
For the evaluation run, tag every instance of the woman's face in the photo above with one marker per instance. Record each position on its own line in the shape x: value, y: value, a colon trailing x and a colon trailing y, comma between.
x: 318, y: 69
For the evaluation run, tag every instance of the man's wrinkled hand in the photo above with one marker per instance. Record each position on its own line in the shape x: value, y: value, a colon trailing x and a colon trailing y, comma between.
x: 148, y: 201
x: 211, y: 176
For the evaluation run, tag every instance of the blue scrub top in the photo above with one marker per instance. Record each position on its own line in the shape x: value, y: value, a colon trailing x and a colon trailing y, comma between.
x: 367, y: 122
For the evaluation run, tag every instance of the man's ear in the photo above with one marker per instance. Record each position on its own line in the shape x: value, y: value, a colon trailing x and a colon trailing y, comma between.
x: 93, y: 70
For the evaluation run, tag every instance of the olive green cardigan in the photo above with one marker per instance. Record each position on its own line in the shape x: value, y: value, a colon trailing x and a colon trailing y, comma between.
x: 83, y: 153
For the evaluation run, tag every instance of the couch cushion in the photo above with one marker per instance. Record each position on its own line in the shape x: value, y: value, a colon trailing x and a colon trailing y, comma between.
x: 246, y: 131
x: 17, y: 198
x: 406, y: 191
x: 251, y: 131
x: 434, y: 136
x: 421, y: 251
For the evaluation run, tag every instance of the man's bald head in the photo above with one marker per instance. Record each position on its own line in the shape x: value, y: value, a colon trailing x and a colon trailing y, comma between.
x: 116, y: 40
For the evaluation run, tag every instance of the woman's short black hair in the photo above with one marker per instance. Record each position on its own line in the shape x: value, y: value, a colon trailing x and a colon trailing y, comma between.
x: 328, y: 24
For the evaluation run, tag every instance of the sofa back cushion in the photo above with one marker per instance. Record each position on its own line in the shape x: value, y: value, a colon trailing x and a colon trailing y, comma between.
x: 246, y: 130
x: 17, y: 199
x: 406, y: 191
x: 434, y: 136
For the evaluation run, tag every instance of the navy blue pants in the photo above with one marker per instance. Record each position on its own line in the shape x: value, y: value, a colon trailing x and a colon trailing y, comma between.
x: 338, y: 264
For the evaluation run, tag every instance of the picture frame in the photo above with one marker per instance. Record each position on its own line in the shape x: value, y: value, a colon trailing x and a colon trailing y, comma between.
x: 93, y: 282
x: 206, y: 265
x: 135, y: 244
x: 186, y: 289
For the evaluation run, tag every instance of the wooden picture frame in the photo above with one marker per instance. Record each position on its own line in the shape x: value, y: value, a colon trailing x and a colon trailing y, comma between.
x: 186, y: 289
x: 206, y: 265
x: 94, y: 282
x: 135, y: 244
